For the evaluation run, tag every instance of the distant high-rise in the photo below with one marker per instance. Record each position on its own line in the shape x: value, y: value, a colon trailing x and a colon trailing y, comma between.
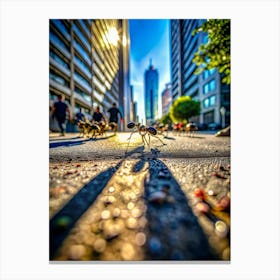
x: 206, y: 87
x: 151, y: 94
x: 89, y: 64
x: 166, y: 98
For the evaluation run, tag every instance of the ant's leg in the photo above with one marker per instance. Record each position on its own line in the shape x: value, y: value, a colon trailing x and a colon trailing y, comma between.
x: 129, y: 140
x: 158, y: 139
x: 131, y: 134
x: 144, y: 139
x: 149, y: 140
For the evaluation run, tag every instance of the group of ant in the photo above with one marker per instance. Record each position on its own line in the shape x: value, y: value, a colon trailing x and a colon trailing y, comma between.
x: 96, y: 128
x: 151, y: 131
x: 146, y: 132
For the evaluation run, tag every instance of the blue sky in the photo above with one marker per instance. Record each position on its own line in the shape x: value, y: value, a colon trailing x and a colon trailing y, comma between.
x: 149, y: 39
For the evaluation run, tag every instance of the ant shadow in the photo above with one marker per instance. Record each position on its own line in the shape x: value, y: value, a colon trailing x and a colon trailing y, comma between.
x: 77, y: 206
x: 169, y: 138
x: 173, y: 230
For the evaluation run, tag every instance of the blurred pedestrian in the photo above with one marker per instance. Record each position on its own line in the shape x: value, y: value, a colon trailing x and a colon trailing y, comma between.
x: 99, y: 119
x: 80, y: 116
x: 98, y: 116
x: 59, y: 110
x: 114, y: 117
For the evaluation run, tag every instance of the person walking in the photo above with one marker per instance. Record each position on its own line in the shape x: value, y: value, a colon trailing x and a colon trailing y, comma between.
x: 114, y: 117
x: 80, y: 116
x: 59, y: 110
x: 99, y: 119
x: 98, y: 116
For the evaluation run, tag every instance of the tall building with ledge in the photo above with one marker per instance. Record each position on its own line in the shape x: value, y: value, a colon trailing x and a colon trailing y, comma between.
x: 206, y: 87
x: 151, y: 83
x: 89, y: 65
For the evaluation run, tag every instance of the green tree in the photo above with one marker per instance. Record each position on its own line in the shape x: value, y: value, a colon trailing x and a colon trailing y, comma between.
x: 184, y: 108
x: 166, y: 119
x: 216, y: 52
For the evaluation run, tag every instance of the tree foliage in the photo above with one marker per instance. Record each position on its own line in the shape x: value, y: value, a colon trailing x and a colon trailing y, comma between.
x: 184, y: 108
x: 216, y: 52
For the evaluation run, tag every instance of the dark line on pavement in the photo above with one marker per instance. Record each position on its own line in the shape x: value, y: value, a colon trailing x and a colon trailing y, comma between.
x: 173, y: 230
x: 63, y: 221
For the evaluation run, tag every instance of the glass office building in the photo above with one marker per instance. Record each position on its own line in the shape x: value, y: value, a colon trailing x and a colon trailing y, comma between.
x: 151, y: 82
x: 89, y: 64
x: 205, y: 87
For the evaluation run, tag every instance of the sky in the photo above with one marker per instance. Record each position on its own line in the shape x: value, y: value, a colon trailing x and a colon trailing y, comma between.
x: 149, y: 39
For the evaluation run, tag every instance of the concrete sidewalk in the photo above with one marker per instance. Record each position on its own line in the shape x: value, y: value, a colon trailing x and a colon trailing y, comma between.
x: 140, y: 206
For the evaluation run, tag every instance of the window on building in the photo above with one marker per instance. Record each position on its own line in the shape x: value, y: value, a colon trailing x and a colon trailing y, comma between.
x: 83, y: 52
x: 61, y: 26
x: 59, y: 60
x: 81, y: 36
x: 83, y: 94
x: 54, y: 38
x: 208, y: 73
x: 81, y: 78
x: 53, y: 76
x: 206, y: 88
x: 212, y: 100
x: 210, y: 86
x: 209, y: 102
x: 206, y: 103
x: 82, y: 65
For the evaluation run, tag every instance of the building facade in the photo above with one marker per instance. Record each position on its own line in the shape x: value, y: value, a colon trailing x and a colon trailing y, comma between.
x: 166, y: 99
x: 151, y: 83
x: 88, y: 64
x: 206, y: 87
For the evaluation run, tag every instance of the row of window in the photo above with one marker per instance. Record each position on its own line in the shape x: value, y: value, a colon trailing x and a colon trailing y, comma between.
x: 55, y: 39
x: 83, y: 94
x: 59, y: 60
x: 82, y: 65
x: 58, y: 79
x: 82, y: 52
x: 82, y: 79
x: 60, y: 25
x: 60, y: 40
x: 209, y: 102
x: 209, y: 87
x: 208, y: 73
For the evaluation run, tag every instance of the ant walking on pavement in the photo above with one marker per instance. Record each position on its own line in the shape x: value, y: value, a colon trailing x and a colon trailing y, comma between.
x: 144, y: 131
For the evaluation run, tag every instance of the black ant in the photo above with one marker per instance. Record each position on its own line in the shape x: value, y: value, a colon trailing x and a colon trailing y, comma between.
x: 143, y: 131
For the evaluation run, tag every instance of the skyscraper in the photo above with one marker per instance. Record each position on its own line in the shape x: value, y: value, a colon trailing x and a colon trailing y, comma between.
x: 88, y: 63
x: 206, y: 87
x: 166, y: 97
x: 151, y: 94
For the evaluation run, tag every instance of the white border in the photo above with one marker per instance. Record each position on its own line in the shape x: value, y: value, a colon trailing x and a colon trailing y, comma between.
x: 24, y: 138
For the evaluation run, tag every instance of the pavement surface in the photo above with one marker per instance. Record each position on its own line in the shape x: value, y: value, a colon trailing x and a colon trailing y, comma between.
x: 110, y: 201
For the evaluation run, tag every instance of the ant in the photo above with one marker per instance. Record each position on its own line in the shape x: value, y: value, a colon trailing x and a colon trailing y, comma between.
x: 143, y: 131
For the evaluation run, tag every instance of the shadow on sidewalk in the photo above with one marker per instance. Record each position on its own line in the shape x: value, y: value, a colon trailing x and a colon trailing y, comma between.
x: 74, y: 142
x: 173, y: 230
x: 64, y: 220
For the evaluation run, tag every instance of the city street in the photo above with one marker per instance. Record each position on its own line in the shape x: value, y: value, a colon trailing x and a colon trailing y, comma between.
x: 163, y: 202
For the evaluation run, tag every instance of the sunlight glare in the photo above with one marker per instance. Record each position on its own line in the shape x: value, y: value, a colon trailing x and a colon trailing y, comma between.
x: 113, y: 36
